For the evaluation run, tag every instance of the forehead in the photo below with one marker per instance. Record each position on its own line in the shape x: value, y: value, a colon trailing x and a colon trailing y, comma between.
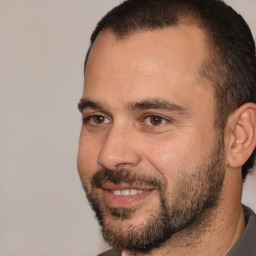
x: 146, y: 63
x: 186, y: 40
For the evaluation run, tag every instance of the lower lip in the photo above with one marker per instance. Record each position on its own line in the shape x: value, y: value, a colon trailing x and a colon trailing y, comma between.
x: 124, y: 201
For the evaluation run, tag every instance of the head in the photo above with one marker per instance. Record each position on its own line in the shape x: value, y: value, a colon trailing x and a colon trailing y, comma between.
x: 230, y: 65
x: 162, y: 80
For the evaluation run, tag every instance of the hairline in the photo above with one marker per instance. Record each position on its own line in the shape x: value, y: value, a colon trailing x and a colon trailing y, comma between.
x: 201, y: 72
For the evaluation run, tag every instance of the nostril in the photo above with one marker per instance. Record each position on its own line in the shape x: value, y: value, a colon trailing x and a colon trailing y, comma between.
x: 112, y: 158
x: 119, y: 148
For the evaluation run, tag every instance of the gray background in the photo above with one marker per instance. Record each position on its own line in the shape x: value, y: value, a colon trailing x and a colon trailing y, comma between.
x: 43, y: 210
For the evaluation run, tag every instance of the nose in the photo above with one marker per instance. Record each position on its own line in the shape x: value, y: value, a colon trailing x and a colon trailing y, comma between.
x: 119, y: 149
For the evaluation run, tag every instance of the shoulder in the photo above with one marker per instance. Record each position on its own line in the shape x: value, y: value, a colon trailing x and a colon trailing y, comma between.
x: 111, y: 252
x: 246, y: 245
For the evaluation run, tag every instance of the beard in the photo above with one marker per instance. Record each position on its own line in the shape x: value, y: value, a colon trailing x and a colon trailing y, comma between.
x: 196, y: 191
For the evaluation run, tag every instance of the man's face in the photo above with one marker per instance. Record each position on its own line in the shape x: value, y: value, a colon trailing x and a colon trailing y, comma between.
x: 149, y: 154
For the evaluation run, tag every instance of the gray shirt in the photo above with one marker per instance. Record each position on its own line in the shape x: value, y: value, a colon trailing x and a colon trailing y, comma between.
x: 245, y: 246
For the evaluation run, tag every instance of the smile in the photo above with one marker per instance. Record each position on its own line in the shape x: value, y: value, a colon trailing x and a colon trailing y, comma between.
x: 124, y: 196
x: 127, y: 192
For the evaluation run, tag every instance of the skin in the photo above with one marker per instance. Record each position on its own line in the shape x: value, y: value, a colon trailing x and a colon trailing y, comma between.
x: 163, y: 65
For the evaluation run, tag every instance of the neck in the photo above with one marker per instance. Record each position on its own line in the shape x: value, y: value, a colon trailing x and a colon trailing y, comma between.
x: 214, y: 233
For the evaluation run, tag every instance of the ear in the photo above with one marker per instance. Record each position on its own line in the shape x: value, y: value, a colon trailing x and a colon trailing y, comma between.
x: 241, y: 130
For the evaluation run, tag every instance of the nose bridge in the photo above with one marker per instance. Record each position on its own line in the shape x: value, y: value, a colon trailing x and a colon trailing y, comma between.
x: 119, y: 147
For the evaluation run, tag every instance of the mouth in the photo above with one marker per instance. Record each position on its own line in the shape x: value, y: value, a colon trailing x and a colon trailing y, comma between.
x: 127, y: 192
x: 125, y: 195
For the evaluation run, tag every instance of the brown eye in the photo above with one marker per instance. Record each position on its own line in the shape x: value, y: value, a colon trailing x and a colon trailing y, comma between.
x: 95, y: 119
x: 156, y: 120
x: 98, y: 119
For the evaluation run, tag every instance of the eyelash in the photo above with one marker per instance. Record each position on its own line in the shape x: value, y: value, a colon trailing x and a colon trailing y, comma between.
x: 150, y: 119
x: 87, y: 120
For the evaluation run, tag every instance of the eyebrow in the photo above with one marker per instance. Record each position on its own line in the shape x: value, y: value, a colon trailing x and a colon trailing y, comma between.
x: 147, y: 104
x: 156, y: 104
x: 86, y: 103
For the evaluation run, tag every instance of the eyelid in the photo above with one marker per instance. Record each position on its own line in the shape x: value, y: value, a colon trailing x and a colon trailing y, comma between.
x: 147, y: 118
x: 167, y: 118
x: 88, y: 116
x: 93, y: 112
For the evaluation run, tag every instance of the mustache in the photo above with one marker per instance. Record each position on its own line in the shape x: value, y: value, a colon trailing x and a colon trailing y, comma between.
x: 127, y: 176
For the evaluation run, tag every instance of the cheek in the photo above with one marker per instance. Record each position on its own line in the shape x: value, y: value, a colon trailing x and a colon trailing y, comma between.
x: 87, y: 157
x: 166, y: 157
x: 178, y: 154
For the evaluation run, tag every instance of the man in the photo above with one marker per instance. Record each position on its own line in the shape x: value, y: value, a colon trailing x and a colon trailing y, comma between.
x: 169, y: 128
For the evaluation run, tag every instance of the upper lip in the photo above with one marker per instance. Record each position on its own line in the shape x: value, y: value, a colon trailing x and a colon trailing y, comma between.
x: 123, y: 186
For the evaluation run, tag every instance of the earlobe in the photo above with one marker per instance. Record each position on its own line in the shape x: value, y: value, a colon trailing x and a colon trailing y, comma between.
x: 243, y: 135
